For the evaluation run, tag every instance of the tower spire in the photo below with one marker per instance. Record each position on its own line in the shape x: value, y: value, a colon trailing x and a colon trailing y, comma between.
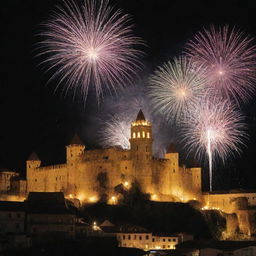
x: 140, y: 116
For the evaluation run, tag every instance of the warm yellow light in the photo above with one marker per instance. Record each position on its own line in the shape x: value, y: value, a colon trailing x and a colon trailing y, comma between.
x: 93, y: 199
x: 206, y: 207
x: 126, y: 184
x: 113, y: 200
x: 154, y: 197
x: 95, y: 226
x: 81, y: 196
x: 143, y: 134
x: 71, y: 196
x: 141, y: 123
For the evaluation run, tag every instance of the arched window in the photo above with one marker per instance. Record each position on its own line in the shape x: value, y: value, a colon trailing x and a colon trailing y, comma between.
x: 143, y: 134
x: 138, y: 134
x: 134, y: 135
x: 148, y: 136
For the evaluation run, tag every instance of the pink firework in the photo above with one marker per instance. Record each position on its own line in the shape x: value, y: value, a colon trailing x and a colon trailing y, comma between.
x: 229, y: 57
x: 90, y: 44
x: 216, y: 129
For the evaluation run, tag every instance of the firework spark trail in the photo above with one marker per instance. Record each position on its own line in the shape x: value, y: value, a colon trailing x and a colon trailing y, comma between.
x: 229, y: 57
x: 90, y: 45
x: 123, y: 109
x: 175, y: 87
x: 209, y: 152
x: 116, y: 131
x: 215, y: 128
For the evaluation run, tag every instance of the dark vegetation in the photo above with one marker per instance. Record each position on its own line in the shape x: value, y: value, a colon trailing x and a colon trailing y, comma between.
x: 160, y: 217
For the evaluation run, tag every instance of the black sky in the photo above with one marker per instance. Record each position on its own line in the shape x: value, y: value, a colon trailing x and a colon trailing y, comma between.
x: 33, y: 118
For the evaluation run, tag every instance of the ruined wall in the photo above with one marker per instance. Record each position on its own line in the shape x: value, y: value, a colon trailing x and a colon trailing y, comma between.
x: 5, y: 180
x: 228, y: 202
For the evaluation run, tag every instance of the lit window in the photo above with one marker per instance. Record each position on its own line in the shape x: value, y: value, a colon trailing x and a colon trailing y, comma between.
x: 138, y: 134
x: 148, y: 135
x: 143, y: 134
x: 134, y: 135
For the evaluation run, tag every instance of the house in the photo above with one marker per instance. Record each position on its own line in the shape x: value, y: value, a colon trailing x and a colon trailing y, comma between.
x: 12, y: 225
x: 48, y: 216
x: 138, y: 237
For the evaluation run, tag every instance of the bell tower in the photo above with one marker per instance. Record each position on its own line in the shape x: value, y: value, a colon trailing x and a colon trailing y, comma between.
x: 141, y: 151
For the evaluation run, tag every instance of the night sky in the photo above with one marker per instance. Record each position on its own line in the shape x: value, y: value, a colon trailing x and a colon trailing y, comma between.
x: 34, y: 118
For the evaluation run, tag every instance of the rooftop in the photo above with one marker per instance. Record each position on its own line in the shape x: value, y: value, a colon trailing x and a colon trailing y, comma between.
x: 140, y: 116
x: 47, y: 202
x: 171, y: 149
x: 12, y: 206
x: 76, y: 140
x: 33, y: 157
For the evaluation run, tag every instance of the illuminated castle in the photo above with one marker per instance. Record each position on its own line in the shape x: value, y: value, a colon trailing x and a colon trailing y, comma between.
x: 88, y: 174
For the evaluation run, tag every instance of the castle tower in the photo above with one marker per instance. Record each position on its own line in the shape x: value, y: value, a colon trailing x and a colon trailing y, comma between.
x: 75, y: 149
x: 32, y: 164
x: 33, y: 161
x: 175, y: 180
x: 141, y: 151
x: 74, y: 153
x: 196, y: 179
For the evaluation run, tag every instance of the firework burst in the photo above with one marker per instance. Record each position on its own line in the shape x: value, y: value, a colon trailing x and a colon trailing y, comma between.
x: 216, y: 129
x: 229, y: 58
x: 117, y: 114
x: 116, y: 132
x: 90, y: 44
x: 175, y: 87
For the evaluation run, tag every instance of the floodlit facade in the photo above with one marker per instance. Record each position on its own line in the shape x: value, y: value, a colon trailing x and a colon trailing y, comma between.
x: 89, y: 174
x: 147, y: 241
